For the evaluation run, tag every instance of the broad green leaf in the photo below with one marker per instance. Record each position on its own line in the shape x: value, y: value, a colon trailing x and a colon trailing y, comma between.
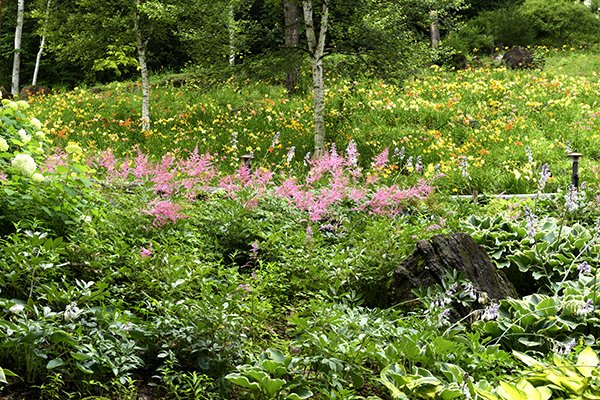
x: 510, y: 392
x: 242, y: 381
x: 531, y: 392
x: 527, y: 360
x: 57, y: 362
x: 4, y: 373
x: 300, y: 394
x: 272, y: 386
x: 587, y: 362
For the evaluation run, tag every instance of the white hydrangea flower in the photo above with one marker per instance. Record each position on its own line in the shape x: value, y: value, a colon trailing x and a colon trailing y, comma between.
x: 25, y: 138
x: 37, y: 177
x: 36, y: 124
x: 9, y: 104
x: 17, y: 308
x: 24, y: 163
x: 3, y: 145
x: 22, y: 104
x: 41, y: 136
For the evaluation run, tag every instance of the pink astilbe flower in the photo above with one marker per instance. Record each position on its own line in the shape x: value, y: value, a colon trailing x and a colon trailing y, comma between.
x: 164, y: 176
x: 164, y: 211
x: 142, y: 167
x: 125, y: 169
x: 108, y: 161
x: 198, y: 166
x: 391, y: 200
x: 58, y: 159
x: 288, y: 189
x: 357, y: 195
x: 146, y: 252
x: 381, y: 159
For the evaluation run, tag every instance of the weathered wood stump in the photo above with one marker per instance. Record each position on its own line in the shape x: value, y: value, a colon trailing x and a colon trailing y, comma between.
x: 518, y: 58
x: 434, y: 258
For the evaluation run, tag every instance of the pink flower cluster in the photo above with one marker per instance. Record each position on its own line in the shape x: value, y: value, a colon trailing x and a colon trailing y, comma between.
x: 332, y: 180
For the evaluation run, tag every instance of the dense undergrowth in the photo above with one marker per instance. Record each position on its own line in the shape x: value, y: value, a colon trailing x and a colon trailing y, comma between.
x: 153, y: 265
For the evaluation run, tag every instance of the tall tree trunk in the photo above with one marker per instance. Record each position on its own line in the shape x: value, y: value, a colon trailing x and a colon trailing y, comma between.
x: 316, y: 48
x: 231, y: 29
x: 435, y: 28
x: 292, y: 73
x: 17, y: 57
x: 38, y: 58
x: 141, y: 49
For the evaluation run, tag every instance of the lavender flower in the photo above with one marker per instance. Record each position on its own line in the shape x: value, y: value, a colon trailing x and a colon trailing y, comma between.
x: 564, y: 348
x: 572, y: 199
x: 544, y: 175
x: 290, y: 154
x: 399, y: 154
x: 584, y: 268
x: 275, y: 140
x: 531, y: 221
x: 529, y: 154
x: 585, y: 308
x: 352, y: 154
x: 464, y: 165
x: 419, y: 164
x: 491, y: 312
x: 409, y: 163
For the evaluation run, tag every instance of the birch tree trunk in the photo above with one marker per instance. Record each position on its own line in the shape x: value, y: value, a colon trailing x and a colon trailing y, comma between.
x: 38, y: 58
x: 231, y: 29
x: 435, y: 28
x: 141, y: 49
x: 292, y: 73
x: 316, y: 48
x: 17, y: 57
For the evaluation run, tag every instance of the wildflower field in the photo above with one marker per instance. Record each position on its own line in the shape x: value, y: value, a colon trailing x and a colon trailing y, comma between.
x: 491, y: 126
x: 154, y: 265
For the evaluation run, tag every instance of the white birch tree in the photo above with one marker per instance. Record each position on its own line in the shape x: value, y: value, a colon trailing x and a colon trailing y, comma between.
x: 316, y: 48
x: 142, y: 44
x: 16, y: 71
x: 38, y: 58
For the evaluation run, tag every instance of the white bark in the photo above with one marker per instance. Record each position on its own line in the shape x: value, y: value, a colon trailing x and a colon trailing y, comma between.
x: 38, y: 58
x: 141, y: 49
x: 316, y: 48
x: 231, y: 30
x: 17, y: 57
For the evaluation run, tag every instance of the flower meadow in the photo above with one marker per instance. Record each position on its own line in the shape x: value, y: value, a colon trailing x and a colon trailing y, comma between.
x: 488, y: 130
x: 159, y: 265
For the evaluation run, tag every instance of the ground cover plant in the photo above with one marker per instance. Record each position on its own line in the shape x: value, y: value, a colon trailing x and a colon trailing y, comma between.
x: 154, y: 265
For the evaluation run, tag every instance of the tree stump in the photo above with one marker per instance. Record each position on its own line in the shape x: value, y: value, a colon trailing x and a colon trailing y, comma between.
x: 433, y: 259
x: 518, y: 58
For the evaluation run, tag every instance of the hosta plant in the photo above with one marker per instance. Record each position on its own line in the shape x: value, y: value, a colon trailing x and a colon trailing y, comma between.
x: 559, y: 378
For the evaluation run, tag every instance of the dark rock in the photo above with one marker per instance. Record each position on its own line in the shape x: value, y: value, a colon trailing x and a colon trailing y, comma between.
x: 518, y: 58
x: 433, y: 259
x: 5, y: 93
x: 33, y: 90
x: 459, y: 61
